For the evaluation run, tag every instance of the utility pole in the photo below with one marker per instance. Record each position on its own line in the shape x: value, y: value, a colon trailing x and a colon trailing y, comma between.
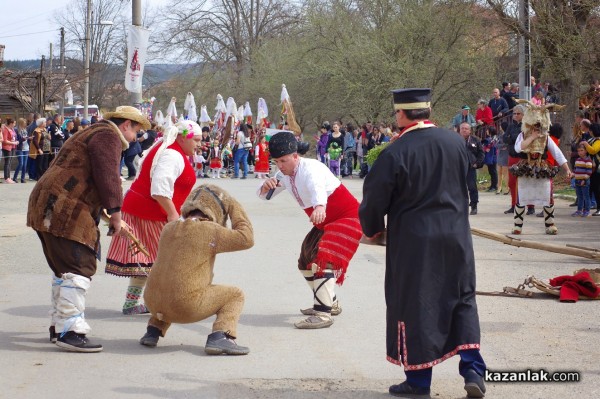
x: 524, y: 52
x: 62, y: 69
x: 136, y: 20
x: 40, y: 92
x: 86, y: 62
x: 51, y: 57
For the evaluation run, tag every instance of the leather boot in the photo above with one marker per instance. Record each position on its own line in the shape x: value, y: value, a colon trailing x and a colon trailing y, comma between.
x: 151, y: 337
x: 221, y: 343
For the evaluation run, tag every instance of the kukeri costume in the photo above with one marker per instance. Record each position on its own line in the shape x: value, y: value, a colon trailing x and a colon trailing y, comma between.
x: 64, y: 209
x: 430, y: 266
x: 533, y: 172
x: 328, y: 248
x: 180, y: 289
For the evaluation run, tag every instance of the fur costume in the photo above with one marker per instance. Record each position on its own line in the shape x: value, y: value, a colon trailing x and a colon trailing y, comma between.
x: 533, y: 171
x: 180, y: 289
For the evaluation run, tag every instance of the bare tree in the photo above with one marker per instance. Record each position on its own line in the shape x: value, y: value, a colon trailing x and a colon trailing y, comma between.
x: 226, y: 32
x: 107, y: 45
x: 562, y: 35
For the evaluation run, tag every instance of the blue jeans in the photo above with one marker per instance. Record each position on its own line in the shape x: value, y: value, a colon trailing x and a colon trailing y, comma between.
x: 240, y: 155
x: 469, y: 359
x: 583, y: 196
x: 22, y: 165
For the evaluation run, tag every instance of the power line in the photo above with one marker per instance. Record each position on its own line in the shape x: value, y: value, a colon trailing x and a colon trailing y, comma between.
x: 28, y: 34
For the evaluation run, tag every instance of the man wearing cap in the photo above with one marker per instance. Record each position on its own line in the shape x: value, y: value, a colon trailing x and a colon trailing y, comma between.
x: 64, y: 209
x: 464, y: 116
x: 420, y: 182
x: 333, y: 240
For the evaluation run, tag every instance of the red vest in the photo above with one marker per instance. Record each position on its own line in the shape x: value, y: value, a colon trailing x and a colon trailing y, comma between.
x: 139, y: 202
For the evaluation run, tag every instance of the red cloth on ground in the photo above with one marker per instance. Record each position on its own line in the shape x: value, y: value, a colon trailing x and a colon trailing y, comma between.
x: 573, y: 286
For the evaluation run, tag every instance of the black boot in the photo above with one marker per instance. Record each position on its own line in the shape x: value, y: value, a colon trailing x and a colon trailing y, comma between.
x: 474, y: 384
x: 151, y: 336
x: 405, y: 390
x: 74, y: 342
x: 219, y: 343
x: 473, y: 210
x: 53, y: 334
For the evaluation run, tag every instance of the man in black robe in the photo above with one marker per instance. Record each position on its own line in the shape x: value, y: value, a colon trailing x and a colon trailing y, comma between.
x: 419, y: 182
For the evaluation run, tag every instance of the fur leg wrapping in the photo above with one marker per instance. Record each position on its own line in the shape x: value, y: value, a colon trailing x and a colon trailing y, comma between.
x: 518, y: 218
x: 70, y: 304
x: 549, y: 220
x: 324, y: 292
x: 56, y: 282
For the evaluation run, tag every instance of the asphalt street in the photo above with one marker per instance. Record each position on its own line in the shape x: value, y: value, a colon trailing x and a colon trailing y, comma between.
x: 346, y: 360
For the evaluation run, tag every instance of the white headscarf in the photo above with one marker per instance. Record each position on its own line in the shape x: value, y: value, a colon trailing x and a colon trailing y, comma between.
x: 185, y: 128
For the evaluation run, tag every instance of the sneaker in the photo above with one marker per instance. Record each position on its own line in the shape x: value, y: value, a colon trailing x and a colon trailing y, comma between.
x: 585, y: 214
x: 597, y: 213
x: 576, y: 213
x: 540, y: 215
x: 531, y: 211
x: 336, y: 309
x: 318, y: 320
x: 509, y: 210
x: 474, y: 384
x: 74, y: 342
x: 573, y: 204
x: 221, y: 343
x: 244, y: 177
x: 473, y: 211
x: 491, y: 189
x: 151, y: 337
x: 53, y: 334
x: 405, y: 390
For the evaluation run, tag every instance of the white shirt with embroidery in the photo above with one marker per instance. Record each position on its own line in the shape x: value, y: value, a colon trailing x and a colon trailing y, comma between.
x: 552, y: 148
x: 311, y: 184
x: 168, y: 168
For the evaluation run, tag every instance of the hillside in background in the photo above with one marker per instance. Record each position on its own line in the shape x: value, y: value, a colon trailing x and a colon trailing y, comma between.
x: 156, y: 73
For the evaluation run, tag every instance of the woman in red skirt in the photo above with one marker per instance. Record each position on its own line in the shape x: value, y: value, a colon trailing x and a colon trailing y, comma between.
x: 261, y: 158
x: 154, y: 199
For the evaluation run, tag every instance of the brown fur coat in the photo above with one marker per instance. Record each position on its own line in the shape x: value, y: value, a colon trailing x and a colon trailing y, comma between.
x: 186, y: 253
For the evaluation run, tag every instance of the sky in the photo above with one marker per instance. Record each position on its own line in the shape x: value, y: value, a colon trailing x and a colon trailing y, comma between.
x: 28, y: 27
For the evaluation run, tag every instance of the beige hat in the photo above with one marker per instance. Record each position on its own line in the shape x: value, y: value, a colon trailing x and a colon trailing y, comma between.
x: 131, y: 113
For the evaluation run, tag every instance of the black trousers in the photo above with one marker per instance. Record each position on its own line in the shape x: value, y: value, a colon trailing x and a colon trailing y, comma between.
x: 493, y: 176
x: 472, y: 187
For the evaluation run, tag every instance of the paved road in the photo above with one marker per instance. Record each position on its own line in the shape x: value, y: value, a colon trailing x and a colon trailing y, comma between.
x: 344, y: 361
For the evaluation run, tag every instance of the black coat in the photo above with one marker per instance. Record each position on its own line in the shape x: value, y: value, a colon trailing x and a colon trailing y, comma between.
x: 419, y: 182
